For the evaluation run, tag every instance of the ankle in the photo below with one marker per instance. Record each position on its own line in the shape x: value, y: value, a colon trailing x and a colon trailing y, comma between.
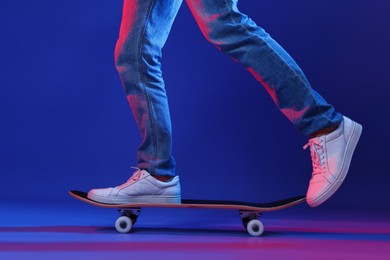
x: 324, y: 131
x: 162, y: 178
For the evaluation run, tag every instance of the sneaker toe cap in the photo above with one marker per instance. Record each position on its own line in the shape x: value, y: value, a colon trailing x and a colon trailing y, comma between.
x: 317, y: 188
x: 92, y: 194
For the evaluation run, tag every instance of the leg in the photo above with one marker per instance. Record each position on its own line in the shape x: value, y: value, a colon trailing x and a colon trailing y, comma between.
x: 239, y: 37
x: 144, y: 29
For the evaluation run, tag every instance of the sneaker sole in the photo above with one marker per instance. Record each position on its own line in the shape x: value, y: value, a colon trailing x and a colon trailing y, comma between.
x: 351, y: 145
x: 135, y: 200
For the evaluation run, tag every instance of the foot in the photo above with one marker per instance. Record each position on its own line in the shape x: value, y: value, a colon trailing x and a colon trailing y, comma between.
x: 140, y: 188
x: 331, y: 156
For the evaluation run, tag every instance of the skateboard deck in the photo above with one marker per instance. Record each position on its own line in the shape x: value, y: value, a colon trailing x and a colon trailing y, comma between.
x: 249, y: 212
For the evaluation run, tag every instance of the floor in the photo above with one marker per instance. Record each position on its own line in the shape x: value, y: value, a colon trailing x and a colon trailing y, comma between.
x: 73, y: 230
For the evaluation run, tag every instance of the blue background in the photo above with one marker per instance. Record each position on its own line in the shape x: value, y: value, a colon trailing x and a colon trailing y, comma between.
x: 65, y: 122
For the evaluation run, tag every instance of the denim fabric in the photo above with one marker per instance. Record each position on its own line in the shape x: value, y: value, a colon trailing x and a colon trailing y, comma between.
x: 144, y: 30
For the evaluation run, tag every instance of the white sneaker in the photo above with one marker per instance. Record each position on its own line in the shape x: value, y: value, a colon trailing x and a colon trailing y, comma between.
x: 140, y: 188
x: 331, y: 156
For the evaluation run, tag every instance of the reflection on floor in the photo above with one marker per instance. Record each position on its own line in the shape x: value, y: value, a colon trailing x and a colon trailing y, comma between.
x: 73, y: 230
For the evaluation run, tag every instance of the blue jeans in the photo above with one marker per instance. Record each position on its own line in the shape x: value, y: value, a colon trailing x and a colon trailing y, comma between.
x: 144, y: 29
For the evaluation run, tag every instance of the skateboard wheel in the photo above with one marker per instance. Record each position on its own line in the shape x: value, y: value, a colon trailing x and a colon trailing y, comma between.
x: 255, y: 228
x: 123, y: 224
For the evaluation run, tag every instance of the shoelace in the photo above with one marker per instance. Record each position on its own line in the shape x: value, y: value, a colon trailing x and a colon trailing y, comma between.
x: 134, y: 177
x: 317, y: 153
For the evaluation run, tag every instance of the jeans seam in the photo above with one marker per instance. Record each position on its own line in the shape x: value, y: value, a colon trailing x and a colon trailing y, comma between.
x: 151, y: 120
x: 291, y: 70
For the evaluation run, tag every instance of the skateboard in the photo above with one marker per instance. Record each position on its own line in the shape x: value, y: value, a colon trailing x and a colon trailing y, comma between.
x: 248, y: 212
